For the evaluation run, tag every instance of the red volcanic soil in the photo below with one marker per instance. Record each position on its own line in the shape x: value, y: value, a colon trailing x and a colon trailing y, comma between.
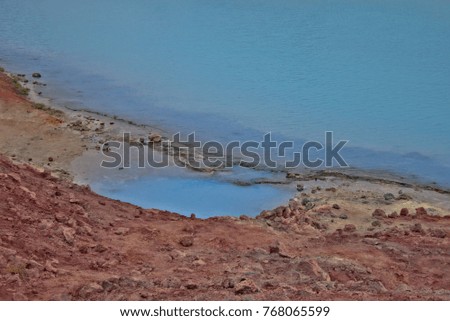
x: 60, y: 241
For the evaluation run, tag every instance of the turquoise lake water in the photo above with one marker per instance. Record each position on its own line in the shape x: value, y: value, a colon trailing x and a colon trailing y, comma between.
x: 375, y: 72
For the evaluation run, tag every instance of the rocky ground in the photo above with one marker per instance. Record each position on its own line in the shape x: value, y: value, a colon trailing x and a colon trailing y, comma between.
x: 60, y: 241
x: 337, y: 239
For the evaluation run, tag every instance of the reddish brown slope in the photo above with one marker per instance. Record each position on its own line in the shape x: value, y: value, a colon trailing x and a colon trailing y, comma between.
x: 61, y: 241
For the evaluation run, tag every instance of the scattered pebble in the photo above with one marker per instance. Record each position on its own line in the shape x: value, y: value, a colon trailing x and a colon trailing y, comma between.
x: 187, y: 241
x: 378, y: 213
x: 389, y: 197
x: 404, y: 212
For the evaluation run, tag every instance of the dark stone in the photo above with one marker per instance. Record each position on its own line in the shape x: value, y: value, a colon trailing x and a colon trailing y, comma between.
x: 187, y: 241
x: 36, y: 75
x: 389, y: 197
x: 404, y: 212
x: 376, y: 223
x: 393, y: 215
x: 309, y: 206
x: 378, y: 213
x: 421, y: 211
x: 305, y: 201
x: 417, y: 228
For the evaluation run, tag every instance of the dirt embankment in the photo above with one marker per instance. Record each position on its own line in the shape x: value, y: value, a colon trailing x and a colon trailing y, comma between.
x: 60, y: 241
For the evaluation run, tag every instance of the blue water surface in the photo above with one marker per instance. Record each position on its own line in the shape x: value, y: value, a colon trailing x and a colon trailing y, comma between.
x: 375, y: 72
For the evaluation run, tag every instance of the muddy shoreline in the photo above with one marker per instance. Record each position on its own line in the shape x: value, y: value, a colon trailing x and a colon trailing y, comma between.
x: 97, y: 128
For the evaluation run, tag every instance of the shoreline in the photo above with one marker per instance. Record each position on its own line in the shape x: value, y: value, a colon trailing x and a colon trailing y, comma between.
x: 91, y: 130
x: 339, y: 237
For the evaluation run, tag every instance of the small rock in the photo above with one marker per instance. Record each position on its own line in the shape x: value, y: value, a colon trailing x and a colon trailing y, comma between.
x: 393, y: 215
x: 404, y: 212
x: 122, y: 231
x: 171, y: 282
x: 199, y: 262
x: 417, y: 228
x: 336, y: 206
x: 109, y: 285
x: 371, y: 241
x: 31, y: 194
x: 184, y: 270
x: 188, y: 228
x: 45, y: 224
x: 312, y: 269
x: 60, y: 218
x: 438, y: 233
x: 349, y: 228
x: 309, y: 206
x: 246, y: 287
x: 187, y: 241
x: 389, y: 197
x: 376, y: 223
x: 100, y: 248
x: 155, y: 138
x: 300, y: 187
x: 421, y: 211
x: 343, y: 216
x: 404, y: 197
x: 191, y: 286
x: 15, y: 177
x: 89, y: 289
x: 319, y: 226
x: 36, y: 75
x: 69, y: 235
x: 378, y: 213
x: 49, y: 267
x: 228, y: 283
x: 83, y: 249
x: 74, y: 200
x: 280, y: 249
